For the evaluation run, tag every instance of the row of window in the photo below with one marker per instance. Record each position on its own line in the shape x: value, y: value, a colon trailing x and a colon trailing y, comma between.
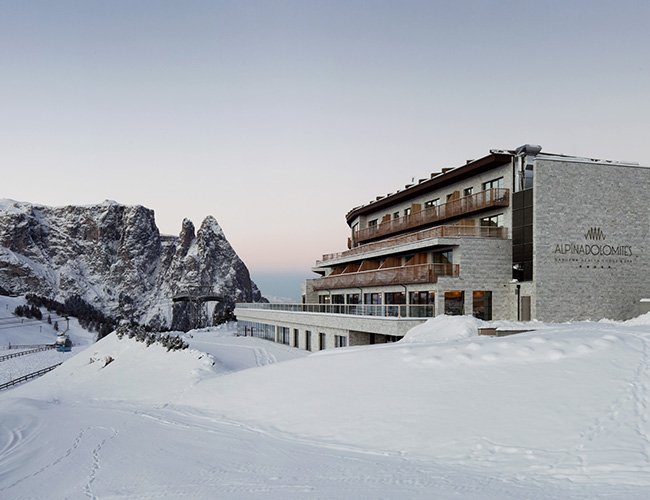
x: 492, y: 184
x: 268, y: 332
x: 420, y: 304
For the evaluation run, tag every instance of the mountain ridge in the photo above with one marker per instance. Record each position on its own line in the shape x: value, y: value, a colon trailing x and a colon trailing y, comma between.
x: 114, y: 257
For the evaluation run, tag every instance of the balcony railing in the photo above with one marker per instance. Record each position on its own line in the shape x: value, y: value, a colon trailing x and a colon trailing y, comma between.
x: 423, y: 273
x: 434, y: 232
x: 495, y: 197
x: 381, y: 310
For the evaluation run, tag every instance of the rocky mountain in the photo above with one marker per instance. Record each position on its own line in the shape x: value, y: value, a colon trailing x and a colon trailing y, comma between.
x: 113, y: 257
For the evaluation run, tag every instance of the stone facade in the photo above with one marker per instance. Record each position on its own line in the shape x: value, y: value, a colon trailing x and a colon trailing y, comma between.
x: 591, y: 239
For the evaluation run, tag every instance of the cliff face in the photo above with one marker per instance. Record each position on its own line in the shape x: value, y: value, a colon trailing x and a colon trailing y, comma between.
x: 114, y: 257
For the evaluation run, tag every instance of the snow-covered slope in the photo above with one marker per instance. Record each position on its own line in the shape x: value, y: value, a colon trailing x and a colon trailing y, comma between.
x: 114, y: 258
x: 561, y: 412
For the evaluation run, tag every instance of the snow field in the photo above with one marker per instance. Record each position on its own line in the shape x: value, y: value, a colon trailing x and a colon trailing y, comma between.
x: 559, y: 412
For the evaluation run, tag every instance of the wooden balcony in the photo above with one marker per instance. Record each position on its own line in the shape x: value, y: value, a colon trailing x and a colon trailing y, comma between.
x: 423, y: 273
x: 497, y: 197
x: 459, y: 231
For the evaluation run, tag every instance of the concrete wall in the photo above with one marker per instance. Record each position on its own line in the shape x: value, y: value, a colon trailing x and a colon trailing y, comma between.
x: 591, y: 239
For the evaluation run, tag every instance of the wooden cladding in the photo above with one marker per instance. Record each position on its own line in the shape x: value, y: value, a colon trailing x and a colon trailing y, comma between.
x: 455, y: 207
x: 425, y: 273
x: 458, y: 231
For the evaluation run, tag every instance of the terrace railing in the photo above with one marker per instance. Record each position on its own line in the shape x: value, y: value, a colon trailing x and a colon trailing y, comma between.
x: 381, y: 310
x: 423, y: 273
x: 495, y: 197
x: 434, y: 232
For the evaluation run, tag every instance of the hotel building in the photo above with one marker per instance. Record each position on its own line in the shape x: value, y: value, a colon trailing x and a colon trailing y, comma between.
x: 515, y: 235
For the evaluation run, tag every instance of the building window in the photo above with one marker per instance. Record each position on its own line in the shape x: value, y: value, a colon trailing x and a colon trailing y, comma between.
x: 372, y: 298
x: 395, y: 299
x: 372, y: 223
x: 422, y: 304
x: 308, y: 340
x: 489, y: 224
x: 468, y: 191
x: 321, y: 341
x: 492, y: 221
x: 493, y: 184
x: 431, y: 203
x: 295, y: 337
x: 283, y: 335
x: 407, y: 212
x: 396, y: 215
x: 455, y: 303
x: 340, y: 341
x: 352, y: 298
x: 443, y: 257
x: 482, y: 305
x: 372, y: 304
x: 337, y: 303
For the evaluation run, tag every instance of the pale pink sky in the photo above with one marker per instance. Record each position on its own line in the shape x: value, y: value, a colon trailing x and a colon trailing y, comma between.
x: 279, y: 117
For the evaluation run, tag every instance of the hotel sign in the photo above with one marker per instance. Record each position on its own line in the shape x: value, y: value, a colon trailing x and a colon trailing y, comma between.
x: 594, y: 248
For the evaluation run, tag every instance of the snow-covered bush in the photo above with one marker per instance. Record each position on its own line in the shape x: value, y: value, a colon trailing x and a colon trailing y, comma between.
x: 172, y: 343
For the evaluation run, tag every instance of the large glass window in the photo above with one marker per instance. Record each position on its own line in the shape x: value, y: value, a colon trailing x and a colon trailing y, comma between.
x: 372, y: 298
x: 482, y: 304
x: 352, y: 298
x: 454, y: 303
x: 283, y: 335
x: 422, y: 304
x: 490, y: 224
x: 340, y: 341
x: 253, y: 329
x: 372, y: 303
x: 492, y: 221
x: 493, y: 184
x: 395, y: 299
x: 442, y: 257
x: 338, y: 301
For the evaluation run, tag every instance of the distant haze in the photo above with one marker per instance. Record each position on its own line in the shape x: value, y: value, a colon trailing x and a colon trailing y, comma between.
x: 281, y: 284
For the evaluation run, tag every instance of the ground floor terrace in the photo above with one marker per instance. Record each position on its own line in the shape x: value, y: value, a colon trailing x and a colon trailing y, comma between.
x: 341, y: 320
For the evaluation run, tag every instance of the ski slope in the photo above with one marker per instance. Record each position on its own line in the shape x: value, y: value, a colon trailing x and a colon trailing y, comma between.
x: 559, y: 412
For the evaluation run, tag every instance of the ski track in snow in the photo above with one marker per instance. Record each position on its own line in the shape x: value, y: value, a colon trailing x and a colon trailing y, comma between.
x: 77, y: 445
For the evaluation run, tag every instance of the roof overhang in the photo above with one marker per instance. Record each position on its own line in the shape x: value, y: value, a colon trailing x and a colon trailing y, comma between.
x: 471, y: 169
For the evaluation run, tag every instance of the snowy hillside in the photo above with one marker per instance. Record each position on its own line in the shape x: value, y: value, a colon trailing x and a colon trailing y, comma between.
x: 560, y: 412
